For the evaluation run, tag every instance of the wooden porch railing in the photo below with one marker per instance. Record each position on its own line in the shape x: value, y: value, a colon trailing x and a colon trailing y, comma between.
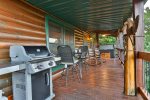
x: 145, y: 57
x: 120, y: 55
x: 143, y: 90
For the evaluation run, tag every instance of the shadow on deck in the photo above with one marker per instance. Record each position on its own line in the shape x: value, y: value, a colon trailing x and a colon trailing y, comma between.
x: 104, y: 82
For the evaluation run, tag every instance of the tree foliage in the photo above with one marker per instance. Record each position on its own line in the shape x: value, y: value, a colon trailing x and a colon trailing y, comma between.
x: 147, y: 29
x: 104, y: 40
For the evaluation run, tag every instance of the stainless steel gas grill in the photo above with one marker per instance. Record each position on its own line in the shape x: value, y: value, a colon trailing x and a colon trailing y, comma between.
x: 34, y: 81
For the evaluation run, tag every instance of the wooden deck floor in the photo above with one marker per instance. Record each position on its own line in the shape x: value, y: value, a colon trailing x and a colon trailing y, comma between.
x: 103, y: 82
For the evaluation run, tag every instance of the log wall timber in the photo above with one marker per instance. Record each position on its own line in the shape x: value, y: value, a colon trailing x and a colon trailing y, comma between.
x: 19, y: 24
x: 81, y: 38
x: 87, y: 39
x: 78, y: 38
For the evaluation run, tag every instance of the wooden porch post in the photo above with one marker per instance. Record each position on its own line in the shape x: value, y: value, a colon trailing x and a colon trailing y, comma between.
x: 129, y: 66
x: 138, y: 7
x: 97, y: 40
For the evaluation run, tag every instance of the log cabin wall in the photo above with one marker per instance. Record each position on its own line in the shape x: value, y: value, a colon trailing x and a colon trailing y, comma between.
x: 87, y: 39
x: 22, y: 24
x: 79, y: 39
x: 19, y: 24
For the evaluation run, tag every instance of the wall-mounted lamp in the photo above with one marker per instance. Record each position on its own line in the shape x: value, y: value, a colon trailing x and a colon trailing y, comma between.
x: 103, y: 35
x: 53, y: 40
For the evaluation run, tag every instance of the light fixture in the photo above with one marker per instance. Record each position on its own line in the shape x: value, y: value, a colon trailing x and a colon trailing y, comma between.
x: 103, y: 35
x: 53, y: 40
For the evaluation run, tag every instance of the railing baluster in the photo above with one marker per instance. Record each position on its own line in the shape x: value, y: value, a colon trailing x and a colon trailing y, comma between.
x: 146, y: 77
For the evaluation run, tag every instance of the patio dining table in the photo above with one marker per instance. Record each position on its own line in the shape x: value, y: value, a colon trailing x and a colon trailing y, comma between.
x: 78, y: 56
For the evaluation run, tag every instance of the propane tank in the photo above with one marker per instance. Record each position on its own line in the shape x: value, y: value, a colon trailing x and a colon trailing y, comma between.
x: 1, y: 96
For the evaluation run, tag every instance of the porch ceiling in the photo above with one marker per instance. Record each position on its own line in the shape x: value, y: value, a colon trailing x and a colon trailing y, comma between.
x: 89, y: 15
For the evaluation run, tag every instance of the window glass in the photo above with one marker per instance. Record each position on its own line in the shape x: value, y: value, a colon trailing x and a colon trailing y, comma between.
x: 55, y: 37
x: 69, y: 38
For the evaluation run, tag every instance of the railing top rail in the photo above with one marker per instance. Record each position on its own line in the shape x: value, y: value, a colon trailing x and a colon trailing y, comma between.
x: 144, y: 55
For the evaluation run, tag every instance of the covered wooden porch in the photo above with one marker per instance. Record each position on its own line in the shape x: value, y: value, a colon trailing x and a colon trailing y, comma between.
x: 102, y: 82
x: 72, y: 23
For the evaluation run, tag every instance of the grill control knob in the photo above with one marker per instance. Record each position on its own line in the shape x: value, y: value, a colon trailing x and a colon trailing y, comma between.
x: 39, y: 66
x: 50, y: 63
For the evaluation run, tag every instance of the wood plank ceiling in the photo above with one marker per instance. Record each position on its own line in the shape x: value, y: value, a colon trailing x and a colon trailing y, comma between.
x: 88, y: 15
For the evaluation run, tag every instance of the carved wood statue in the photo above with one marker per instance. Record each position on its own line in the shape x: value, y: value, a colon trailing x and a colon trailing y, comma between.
x: 129, y: 31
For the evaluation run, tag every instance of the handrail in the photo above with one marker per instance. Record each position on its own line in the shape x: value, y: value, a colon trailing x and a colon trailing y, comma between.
x: 143, y: 93
x: 144, y: 55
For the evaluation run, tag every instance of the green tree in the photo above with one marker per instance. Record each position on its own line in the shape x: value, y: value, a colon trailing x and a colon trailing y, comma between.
x: 147, y: 29
x: 147, y: 44
x: 104, y: 40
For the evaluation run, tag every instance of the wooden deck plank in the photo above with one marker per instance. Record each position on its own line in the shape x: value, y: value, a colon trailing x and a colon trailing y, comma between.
x: 105, y: 82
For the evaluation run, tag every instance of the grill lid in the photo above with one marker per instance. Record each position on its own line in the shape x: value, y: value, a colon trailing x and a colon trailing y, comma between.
x: 28, y: 53
x: 37, y: 51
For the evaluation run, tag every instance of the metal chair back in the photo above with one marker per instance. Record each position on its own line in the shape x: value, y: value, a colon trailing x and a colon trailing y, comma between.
x: 84, y: 51
x: 65, y: 52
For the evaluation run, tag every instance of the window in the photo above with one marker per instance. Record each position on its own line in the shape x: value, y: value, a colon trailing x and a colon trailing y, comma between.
x: 56, y: 35
x: 69, y: 38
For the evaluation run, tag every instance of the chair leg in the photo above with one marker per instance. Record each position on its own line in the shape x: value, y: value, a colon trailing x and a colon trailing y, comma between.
x: 90, y: 61
x: 80, y: 65
x: 96, y: 61
x: 62, y: 74
x: 76, y: 70
x: 86, y: 67
x: 73, y: 71
x: 67, y: 76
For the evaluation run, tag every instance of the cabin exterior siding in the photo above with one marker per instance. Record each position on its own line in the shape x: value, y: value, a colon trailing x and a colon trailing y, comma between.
x: 79, y: 40
x: 20, y: 24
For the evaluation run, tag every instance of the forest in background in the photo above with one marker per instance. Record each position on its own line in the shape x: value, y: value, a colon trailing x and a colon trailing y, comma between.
x: 105, y: 40
x: 147, y: 29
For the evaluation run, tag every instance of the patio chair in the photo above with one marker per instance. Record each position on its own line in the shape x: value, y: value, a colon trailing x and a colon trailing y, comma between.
x: 84, y: 55
x: 94, y: 56
x: 97, y: 55
x: 91, y: 57
x: 67, y: 58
